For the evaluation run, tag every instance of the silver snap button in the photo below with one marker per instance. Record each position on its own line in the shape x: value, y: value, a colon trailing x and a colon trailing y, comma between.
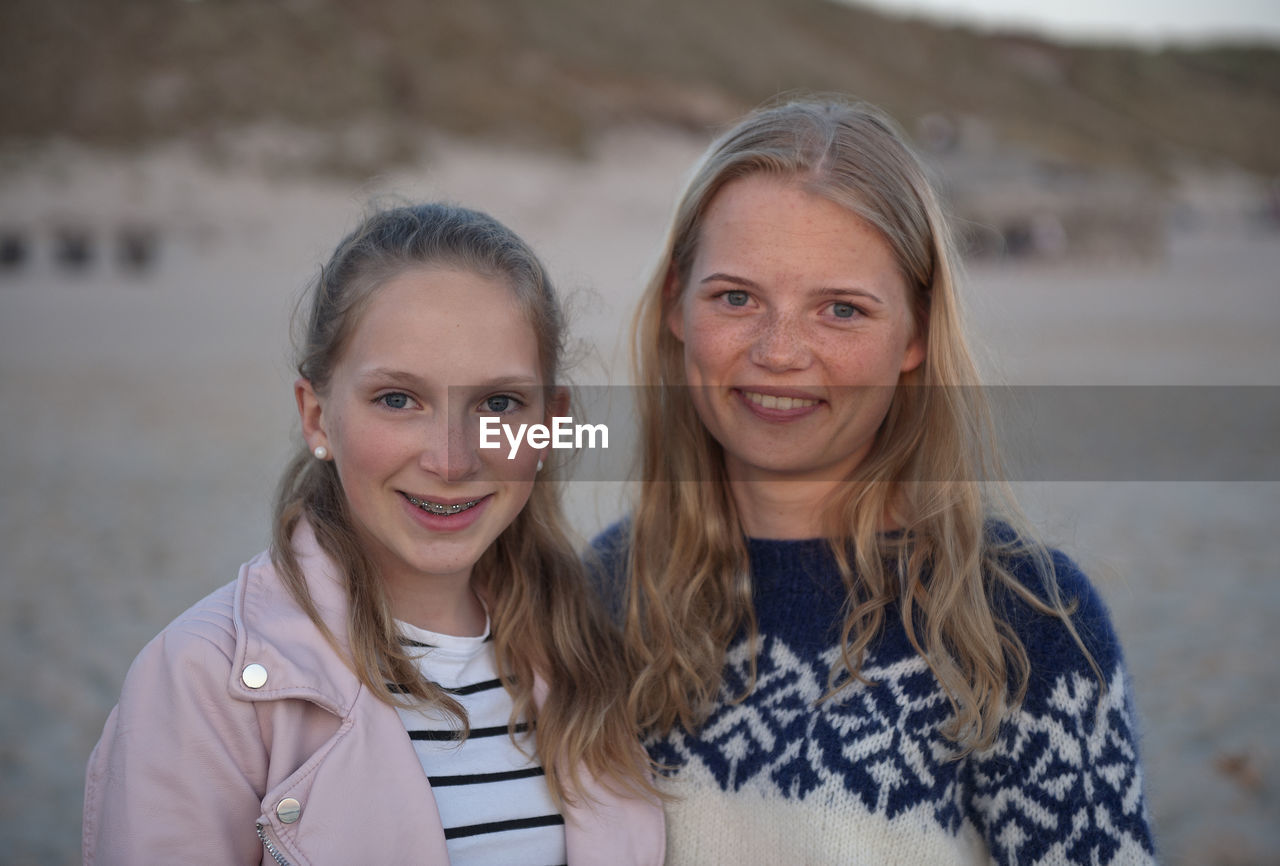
x: 289, y: 810
x: 254, y: 676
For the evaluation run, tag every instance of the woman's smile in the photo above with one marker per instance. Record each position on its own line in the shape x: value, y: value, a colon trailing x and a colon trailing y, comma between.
x: 775, y: 405
x: 796, y: 328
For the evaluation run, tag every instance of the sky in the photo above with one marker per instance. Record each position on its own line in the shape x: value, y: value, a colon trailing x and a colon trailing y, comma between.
x: 1148, y: 22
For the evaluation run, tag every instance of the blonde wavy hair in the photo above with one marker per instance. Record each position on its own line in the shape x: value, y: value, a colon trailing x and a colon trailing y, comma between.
x: 689, y: 591
x: 543, y: 617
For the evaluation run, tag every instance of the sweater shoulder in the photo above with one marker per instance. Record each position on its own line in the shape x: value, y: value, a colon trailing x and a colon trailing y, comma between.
x: 606, y: 564
x: 1055, y: 579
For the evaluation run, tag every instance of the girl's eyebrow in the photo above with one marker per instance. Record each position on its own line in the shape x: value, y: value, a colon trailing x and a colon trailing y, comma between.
x: 393, y: 376
x: 833, y: 292
x: 515, y: 380
x: 390, y: 376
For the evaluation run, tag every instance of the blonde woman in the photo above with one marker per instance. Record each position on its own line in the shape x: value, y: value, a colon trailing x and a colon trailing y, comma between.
x: 845, y: 647
x: 412, y: 673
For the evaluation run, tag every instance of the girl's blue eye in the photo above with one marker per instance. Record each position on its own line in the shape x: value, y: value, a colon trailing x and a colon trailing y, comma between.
x: 844, y: 311
x: 500, y: 403
x: 737, y: 298
x: 395, y: 401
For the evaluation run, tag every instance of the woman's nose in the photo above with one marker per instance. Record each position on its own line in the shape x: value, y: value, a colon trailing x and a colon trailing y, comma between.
x: 780, y: 344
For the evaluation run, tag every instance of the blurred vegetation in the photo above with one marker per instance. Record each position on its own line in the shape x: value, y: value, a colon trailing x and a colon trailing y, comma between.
x: 550, y: 73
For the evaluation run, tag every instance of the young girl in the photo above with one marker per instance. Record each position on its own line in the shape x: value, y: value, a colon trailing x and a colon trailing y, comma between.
x: 411, y: 674
x: 843, y: 652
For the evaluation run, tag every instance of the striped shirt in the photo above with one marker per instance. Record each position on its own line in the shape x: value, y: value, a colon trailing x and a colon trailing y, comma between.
x: 493, y: 799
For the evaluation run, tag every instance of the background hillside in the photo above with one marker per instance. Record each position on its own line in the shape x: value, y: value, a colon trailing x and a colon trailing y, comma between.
x: 555, y: 72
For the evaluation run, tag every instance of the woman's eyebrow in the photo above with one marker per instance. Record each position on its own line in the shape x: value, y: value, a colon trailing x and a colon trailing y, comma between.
x: 727, y: 278
x: 852, y: 292
x: 831, y: 292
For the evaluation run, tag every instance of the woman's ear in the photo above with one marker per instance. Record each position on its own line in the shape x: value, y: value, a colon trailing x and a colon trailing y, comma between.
x: 917, y: 346
x: 311, y: 413
x: 914, y: 355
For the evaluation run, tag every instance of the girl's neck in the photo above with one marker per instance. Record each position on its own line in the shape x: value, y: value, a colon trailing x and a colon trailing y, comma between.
x: 443, y: 607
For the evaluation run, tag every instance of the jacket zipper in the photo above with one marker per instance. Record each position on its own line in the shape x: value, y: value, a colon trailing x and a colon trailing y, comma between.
x: 271, y: 849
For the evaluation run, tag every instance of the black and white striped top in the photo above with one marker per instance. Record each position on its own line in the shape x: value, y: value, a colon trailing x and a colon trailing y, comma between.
x: 493, y: 799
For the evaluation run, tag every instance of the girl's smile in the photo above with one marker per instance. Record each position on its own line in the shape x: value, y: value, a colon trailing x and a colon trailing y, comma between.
x: 401, y: 418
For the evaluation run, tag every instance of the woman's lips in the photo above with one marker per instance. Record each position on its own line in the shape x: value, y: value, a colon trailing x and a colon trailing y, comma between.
x: 775, y: 406
x: 775, y: 401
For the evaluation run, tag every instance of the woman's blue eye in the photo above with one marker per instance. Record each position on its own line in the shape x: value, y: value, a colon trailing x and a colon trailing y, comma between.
x: 844, y: 311
x: 736, y: 298
x: 500, y: 403
x: 395, y: 401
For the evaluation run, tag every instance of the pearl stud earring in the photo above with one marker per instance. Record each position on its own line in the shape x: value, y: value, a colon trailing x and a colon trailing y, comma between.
x: 539, y: 465
x: 321, y: 452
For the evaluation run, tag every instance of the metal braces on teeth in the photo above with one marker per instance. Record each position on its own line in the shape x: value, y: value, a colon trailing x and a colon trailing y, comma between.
x: 443, y: 509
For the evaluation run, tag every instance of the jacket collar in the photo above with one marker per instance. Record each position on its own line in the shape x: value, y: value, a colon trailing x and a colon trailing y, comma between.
x: 272, y: 631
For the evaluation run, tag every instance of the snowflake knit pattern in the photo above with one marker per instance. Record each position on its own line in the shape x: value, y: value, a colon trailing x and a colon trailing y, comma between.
x: 867, y: 777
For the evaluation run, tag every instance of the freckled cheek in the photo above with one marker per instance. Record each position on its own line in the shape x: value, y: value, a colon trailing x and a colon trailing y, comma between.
x: 711, y: 351
x: 874, y: 362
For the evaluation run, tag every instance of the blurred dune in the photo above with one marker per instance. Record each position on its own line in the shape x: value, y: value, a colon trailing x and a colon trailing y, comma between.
x: 1074, y: 147
x: 555, y: 72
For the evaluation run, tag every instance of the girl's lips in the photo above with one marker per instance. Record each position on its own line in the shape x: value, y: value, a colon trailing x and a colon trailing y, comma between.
x: 443, y: 506
x: 445, y: 515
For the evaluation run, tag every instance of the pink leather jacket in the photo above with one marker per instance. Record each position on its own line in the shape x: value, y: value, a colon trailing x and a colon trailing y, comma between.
x: 242, y: 737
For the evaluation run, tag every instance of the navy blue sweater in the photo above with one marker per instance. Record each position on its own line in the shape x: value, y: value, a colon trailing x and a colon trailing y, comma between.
x: 867, y: 776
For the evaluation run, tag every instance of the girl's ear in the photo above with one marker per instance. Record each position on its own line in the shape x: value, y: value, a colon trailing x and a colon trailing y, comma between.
x: 311, y: 413
x: 558, y: 405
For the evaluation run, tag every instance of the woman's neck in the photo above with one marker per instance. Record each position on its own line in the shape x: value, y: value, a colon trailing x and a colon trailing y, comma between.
x: 781, y: 509
x: 789, y: 509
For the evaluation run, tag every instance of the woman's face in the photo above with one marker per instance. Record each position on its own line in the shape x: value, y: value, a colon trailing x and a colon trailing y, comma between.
x: 796, y: 326
x: 434, y: 351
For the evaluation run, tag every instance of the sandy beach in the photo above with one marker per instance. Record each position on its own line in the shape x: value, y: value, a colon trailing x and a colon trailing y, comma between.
x: 146, y: 412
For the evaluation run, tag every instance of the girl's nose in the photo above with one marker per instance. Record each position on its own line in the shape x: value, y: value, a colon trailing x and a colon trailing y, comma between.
x: 451, y: 447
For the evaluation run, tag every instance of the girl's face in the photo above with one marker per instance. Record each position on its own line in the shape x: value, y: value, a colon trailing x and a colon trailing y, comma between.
x: 796, y: 326
x: 435, y: 350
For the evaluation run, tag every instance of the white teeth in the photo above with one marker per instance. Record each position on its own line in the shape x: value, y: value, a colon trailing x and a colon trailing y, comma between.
x: 437, y: 508
x: 769, y: 401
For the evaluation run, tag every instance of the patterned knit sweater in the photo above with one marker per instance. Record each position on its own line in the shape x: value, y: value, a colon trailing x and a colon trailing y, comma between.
x: 867, y: 777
